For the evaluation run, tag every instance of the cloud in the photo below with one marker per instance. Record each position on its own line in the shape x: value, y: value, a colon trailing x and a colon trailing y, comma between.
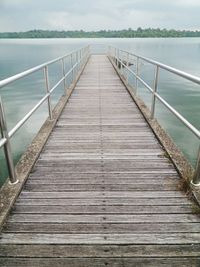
x: 186, y: 3
x: 22, y: 15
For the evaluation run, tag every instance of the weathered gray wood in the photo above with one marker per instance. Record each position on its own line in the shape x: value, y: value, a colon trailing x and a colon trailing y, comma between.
x: 103, y: 251
x: 105, y: 201
x: 113, y: 239
x: 114, y: 175
x: 57, y: 180
x: 99, y: 262
x: 122, y: 218
x: 100, y: 186
x: 106, y: 194
x: 105, y: 209
x: 103, y: 228
x: 103, y: 192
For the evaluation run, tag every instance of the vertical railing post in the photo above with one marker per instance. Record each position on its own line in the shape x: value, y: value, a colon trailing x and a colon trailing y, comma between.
x: 64, y: 73
x: 123, y: 62
x: 84, y: 52
x: 82, y: 58
x: 127, y: 65
x: 71, y: 63
x: 196, y: 178
x: 77, y: 63
x: 153, y: 103
x: 7, y: 146
x: 118, y: 59
x: 111, y: 53
x: 81, y: 55
x: 115, y: 57
x: 79, y: 58
x: 46, y: 76
x: 88, y: 52
x: 137, y: 74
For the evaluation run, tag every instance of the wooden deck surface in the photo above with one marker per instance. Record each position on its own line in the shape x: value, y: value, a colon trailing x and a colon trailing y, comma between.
x: 102, y: 192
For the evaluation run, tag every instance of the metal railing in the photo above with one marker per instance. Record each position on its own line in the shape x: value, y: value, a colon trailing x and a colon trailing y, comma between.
x: 121, y: 60
x: 77, y: 60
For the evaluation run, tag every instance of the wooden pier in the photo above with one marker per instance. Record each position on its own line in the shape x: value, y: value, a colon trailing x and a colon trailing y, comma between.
x: 103, y: 192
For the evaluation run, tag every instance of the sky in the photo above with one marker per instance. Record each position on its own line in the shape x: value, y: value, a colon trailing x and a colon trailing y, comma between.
x: 23, y: 15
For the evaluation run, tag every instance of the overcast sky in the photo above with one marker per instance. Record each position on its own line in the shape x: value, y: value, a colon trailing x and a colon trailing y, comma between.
x: 22, y: 15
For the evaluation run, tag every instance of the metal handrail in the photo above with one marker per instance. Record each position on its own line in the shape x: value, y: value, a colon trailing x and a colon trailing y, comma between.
x: 180, y: 73
x: 32, y: 70
x: 114, y: 54
x: 81, y: 57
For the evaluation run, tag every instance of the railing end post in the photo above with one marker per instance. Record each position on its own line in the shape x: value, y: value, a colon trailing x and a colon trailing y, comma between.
x: 195, y: 187
x: 7, y: 146
x: 14, y: 183
x: 196, y: 178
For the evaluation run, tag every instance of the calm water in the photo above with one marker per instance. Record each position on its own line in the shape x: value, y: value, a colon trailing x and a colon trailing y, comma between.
x: 19, y: 98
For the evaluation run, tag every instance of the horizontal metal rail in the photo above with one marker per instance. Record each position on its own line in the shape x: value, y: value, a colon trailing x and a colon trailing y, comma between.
x: 180, y: 73
x: 80, y: 57
x: 33, y: 70
x: 117, y: 57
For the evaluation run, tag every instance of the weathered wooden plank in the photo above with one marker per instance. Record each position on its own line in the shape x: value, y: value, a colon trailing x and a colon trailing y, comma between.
x: 103, y: 228
x: 84, y: 145
x: 57, y: 180
x: 96, y: 156
x: 104, y: 201
x: 103, y: 251
x: 106, y: 194
x: 100, y: 186
x: 109, y: 218
x: 159, y: 176
x: 130, y: 173
x: 98, y: 262
x: 154, y: 238
x: 158, y: 162
x: 105, y: 209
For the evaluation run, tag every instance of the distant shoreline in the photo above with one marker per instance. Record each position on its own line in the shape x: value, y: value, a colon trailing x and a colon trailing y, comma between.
x: 128, y: 33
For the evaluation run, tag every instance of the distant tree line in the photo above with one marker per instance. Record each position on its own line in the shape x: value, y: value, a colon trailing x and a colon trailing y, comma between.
x: 127, y: 33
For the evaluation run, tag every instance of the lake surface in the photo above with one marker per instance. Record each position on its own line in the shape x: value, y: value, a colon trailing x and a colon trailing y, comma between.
x: 18, y: 55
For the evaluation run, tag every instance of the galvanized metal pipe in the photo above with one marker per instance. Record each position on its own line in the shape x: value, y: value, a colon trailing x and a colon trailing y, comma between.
x: 2, y: 142
x: 7, y: 146
x: 137, y: 75
x: 30, y: 71
x: 71, y: 62
x: 196, y: 178
x: 194, y: 130
x: 76, y: 61
x: 153, y: 103
x: 46, y: 76
x: 180, y: 73
x: 127, y: 65
x: 27, y: 116
x: 64, y: 80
